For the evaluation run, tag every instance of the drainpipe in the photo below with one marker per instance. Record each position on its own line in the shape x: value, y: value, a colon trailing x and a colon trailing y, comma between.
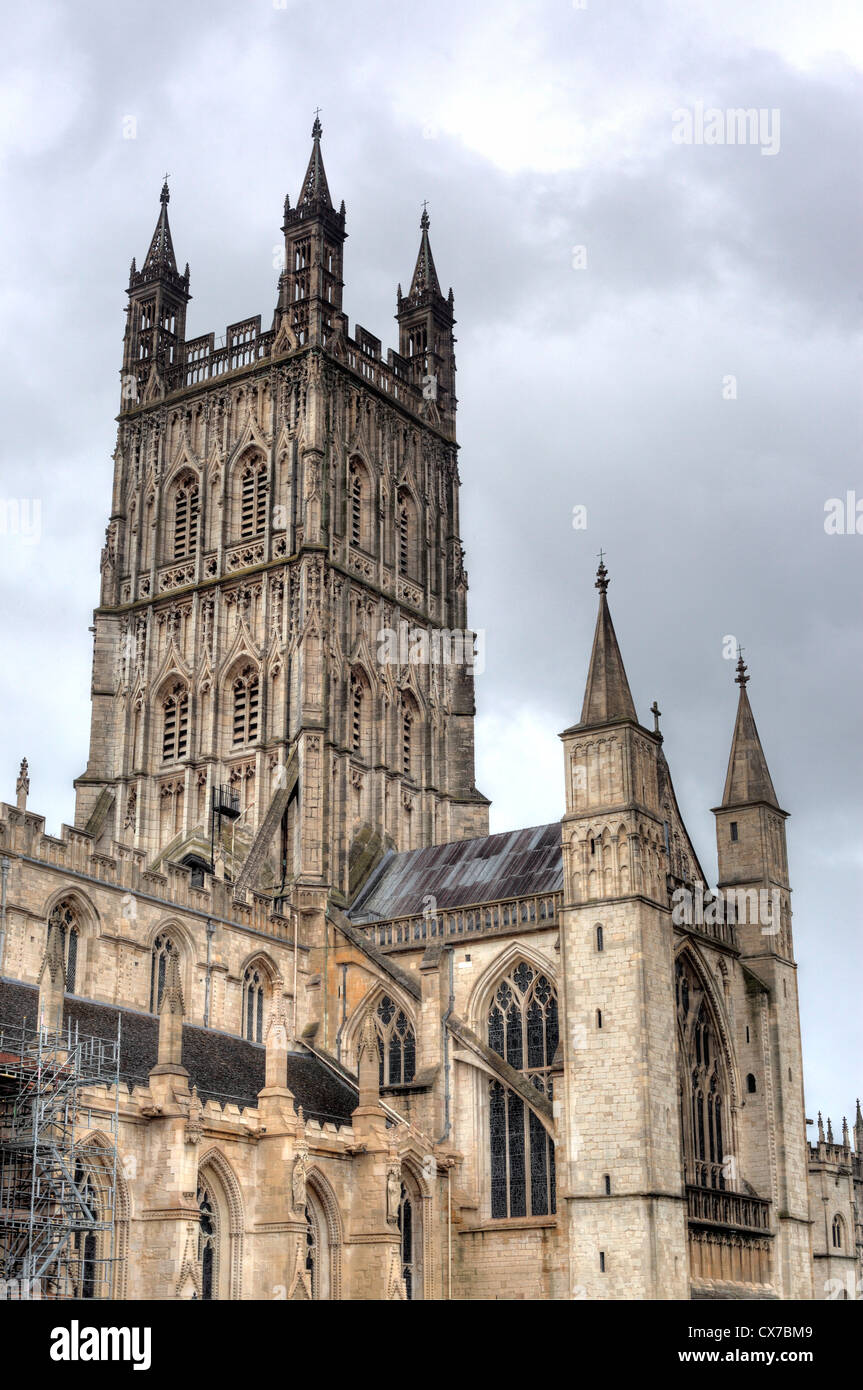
x: 5, y: 865
x: 446, y: 1061
x: 449, y: 1233
x: 211, y: 931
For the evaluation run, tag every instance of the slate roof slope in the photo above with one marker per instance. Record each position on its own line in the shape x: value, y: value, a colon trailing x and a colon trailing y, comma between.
x: 492, y: 867
x: 223, y: 1067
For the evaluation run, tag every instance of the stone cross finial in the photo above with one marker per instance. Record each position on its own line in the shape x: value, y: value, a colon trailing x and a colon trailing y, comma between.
x: 741, y: 678
x: 22, y: 786
x: 656, y: 712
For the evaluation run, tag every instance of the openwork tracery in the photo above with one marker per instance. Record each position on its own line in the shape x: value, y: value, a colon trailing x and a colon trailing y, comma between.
x: 704, y: 1090
x: 523, y: 1029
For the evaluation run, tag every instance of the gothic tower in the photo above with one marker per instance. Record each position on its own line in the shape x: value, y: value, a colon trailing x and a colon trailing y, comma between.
x: 753, y: 877
x: 281, y: 633
x: 620, y: 1186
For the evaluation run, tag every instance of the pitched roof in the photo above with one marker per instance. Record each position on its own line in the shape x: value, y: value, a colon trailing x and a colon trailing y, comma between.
x: 487, y: 869
x: 224, y: 1068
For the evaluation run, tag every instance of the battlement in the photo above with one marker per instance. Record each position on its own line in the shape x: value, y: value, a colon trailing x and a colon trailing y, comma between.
x: 246, y: 349
x: 22, y: 835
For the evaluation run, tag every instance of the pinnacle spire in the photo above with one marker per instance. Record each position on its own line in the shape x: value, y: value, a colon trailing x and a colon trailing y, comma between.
x: 748, y: 778
x: 607, y: 695
x: 161, y: 253
x: 315, y: 188
x: 425, y: 275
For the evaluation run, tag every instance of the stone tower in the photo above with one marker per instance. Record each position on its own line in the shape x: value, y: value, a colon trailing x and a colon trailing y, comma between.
x: 283, y: 546
x: 620, y: 1184
x: 753, y: 877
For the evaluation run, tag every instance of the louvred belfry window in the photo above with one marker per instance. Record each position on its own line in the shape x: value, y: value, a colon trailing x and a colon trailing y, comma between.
x: 523, y: 1029
x: 246, y: 692
x: 175, y: 725
x: 253, y: 498
x: 186, y: 506
x: 397, y: 1044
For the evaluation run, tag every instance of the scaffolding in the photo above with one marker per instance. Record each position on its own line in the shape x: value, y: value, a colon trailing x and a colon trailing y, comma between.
x: 57, y: 1185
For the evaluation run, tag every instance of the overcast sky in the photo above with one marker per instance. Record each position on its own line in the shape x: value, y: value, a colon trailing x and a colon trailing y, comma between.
x: 608, y: 282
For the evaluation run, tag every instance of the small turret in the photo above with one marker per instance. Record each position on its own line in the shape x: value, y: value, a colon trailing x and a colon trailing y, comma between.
x: 751, y: 844
x: 426, y: 320
x: 156, y: 325
x: 311, y: 284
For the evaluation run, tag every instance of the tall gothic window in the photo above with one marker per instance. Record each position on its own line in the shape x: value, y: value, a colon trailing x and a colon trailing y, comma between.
x: 186, y: 506
x: 162, y: 947
x: 703, y: 1085
x: 360, y: 711
x: 175, y: 725
x: 838, y: 1232
x: 397, y: 1044
x: 253, y: 498
x: 64, y: 920
x: 313, y: 1251
x: 408, y: 557
x: 85, y: 1242
x: 523, y: 1029
x: 406, y: 1236
x: 359, y: 503
x: 208, y: 1240
x: 253, y: 1004
x: 409, y: 736
x: 246, y: 693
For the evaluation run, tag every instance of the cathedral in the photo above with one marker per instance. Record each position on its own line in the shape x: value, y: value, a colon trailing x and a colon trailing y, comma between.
x: 279, y: 1018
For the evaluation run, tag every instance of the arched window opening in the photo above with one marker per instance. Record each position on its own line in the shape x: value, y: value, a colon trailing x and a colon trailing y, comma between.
x: 175, y: 724
x: 208, y: 1241
x: 64, y: 920
x: 523, y: 1029
x: 359, y: 500
x: 246, y: 701
x: 360, y: 711
x: 408, y: 549
x: 406, y: 1235
x: 313, y: 1251
x: 750, y: 1084
x: 397, y: 1044
x: 162, y: 948
x: 186, y: 509
x: 85, y: 1263
x: 253, y: 498
x: 409, y: 738
x: 253, y: 1004
x: 600, y: 940
x: 704, y: 1081
x: 838, y: 1232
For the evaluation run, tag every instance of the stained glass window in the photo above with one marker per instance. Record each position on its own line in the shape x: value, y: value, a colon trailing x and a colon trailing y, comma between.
x: 397, y: 1044
x: 523, y: 1029
x: 703, y: 1119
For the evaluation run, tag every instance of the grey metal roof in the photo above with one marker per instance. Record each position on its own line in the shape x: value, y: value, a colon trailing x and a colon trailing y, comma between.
x: 511, y: 865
